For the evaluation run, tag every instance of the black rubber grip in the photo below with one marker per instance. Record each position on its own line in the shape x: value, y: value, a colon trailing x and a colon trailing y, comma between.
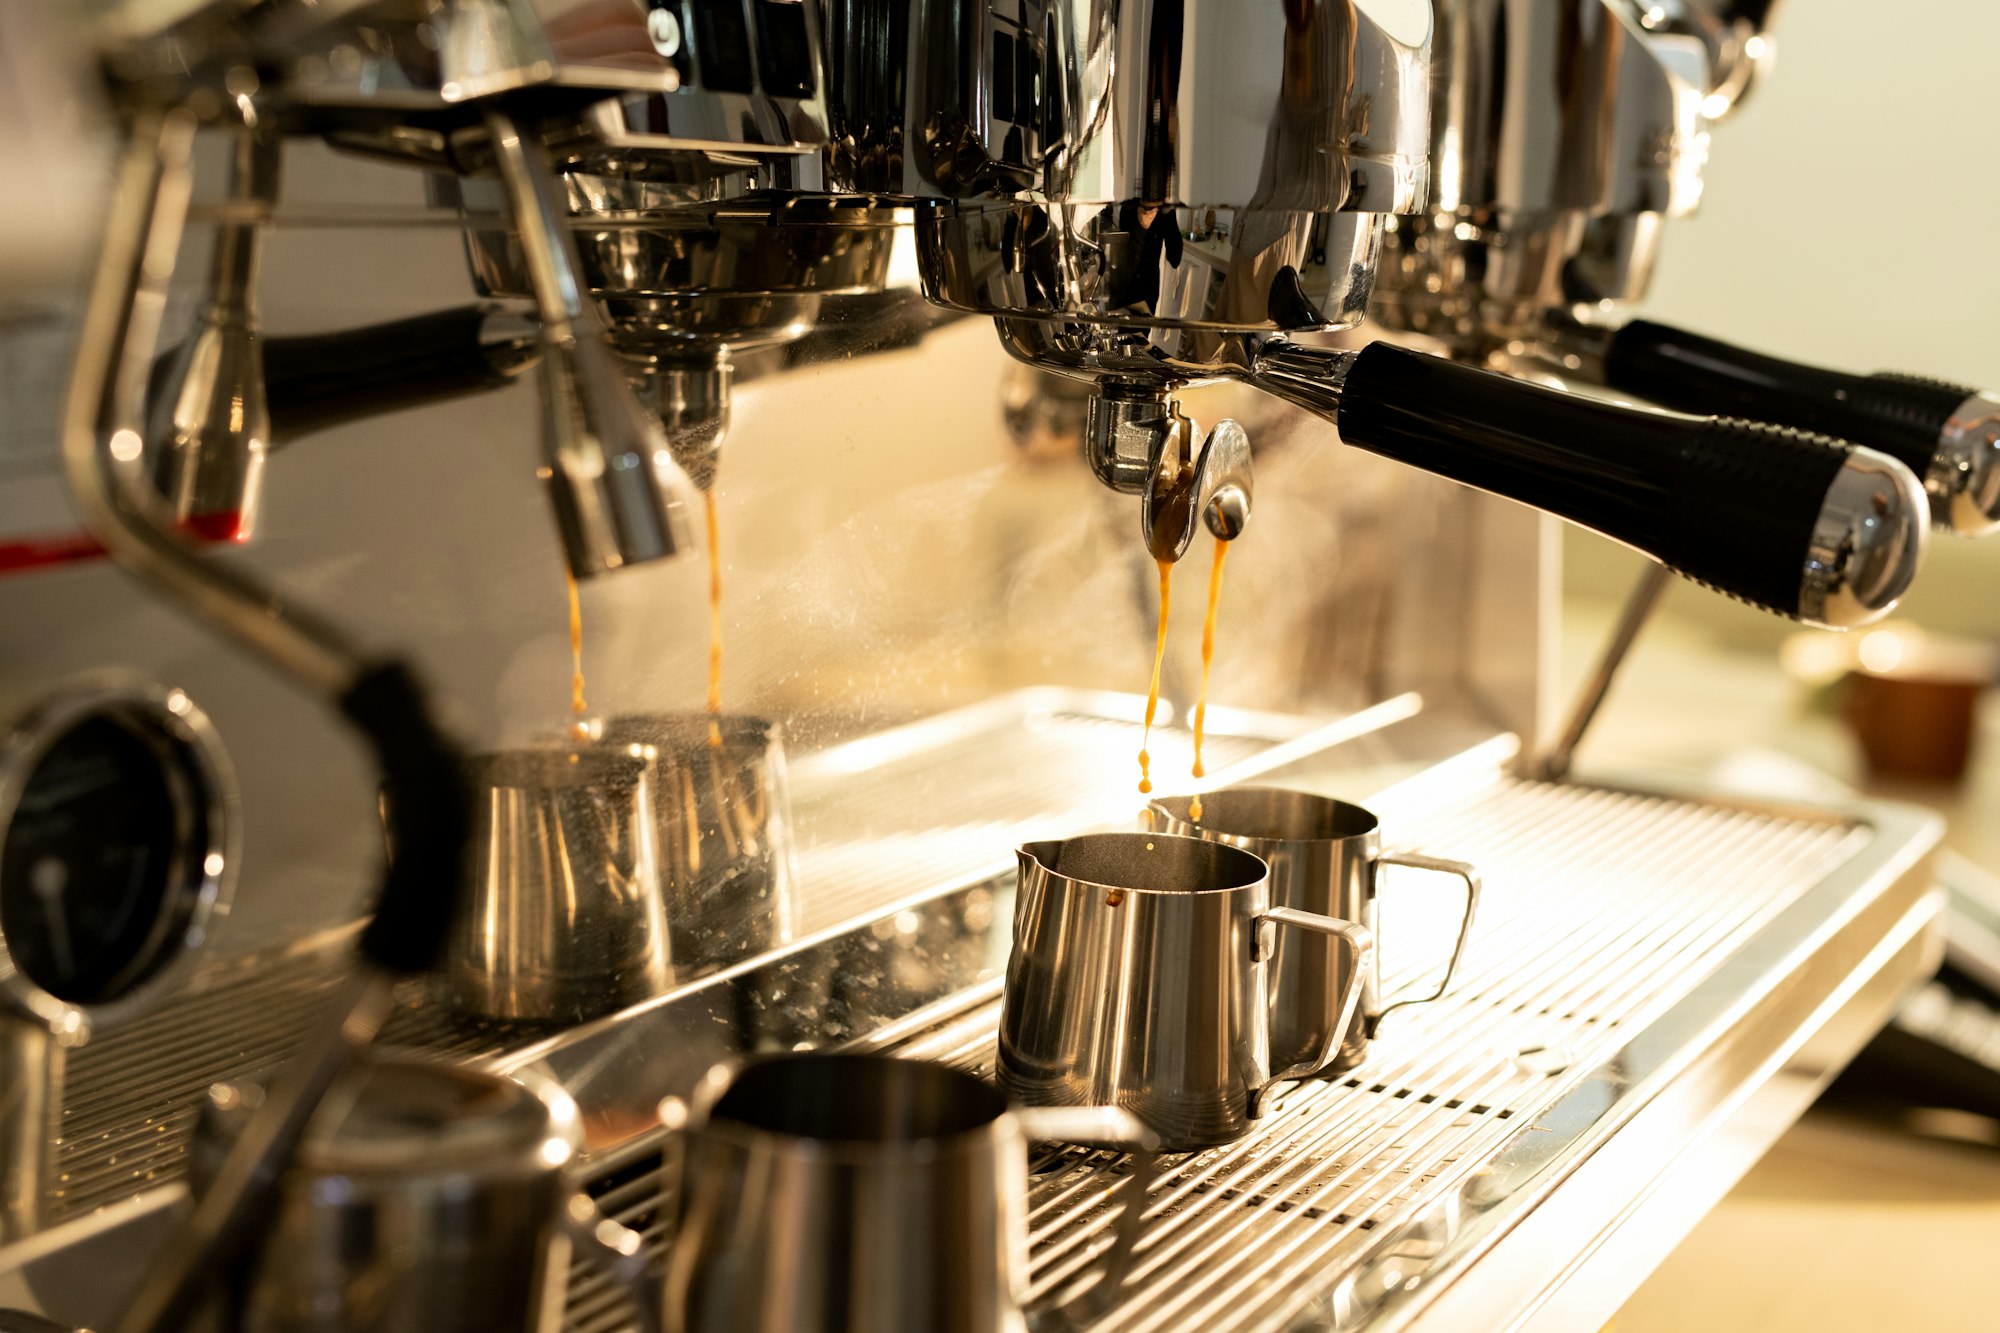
x: 429, y: 810
x: 1731, y: 504
x: 324, y: 379
x: 1756, y: 12
x: 1900, y: 415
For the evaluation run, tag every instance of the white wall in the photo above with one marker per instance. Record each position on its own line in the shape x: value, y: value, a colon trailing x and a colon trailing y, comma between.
x: 1853, y: 218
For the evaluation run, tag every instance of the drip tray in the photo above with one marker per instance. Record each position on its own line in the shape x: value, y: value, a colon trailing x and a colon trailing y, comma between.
x: 1644, y: 966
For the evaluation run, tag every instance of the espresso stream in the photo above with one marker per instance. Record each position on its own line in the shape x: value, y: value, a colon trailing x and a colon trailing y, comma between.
x: 714, y: 620
x: 577, y: 704
x: 1207, y: 662
x: 1153, y: 690
x: 578, y: 729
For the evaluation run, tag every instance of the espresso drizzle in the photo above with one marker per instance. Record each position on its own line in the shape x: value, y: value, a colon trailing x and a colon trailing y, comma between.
x: 577, y: 706
x: 1207, y: 660
x: 714, y: 621
x: 1153, y: 690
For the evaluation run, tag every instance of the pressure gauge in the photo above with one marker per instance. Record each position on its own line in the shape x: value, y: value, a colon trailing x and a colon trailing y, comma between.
x: 117, y: 845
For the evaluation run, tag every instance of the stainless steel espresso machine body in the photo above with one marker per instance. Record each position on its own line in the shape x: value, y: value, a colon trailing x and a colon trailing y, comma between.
x: 1289, y: 181
x: 517, y: 256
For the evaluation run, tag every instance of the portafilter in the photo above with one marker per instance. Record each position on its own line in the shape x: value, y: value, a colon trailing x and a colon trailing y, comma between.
x: 1177, y: 186
x: 1548, y: 207
x: 1947, y: 433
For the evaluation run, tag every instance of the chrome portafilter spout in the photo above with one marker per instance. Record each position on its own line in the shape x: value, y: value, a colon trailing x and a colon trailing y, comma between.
x: 211, y: 430
x: 691, y: 401
x: 1139, y: 443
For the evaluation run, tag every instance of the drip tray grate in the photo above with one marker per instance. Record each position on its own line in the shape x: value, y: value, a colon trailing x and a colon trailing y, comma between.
x: 1618, y: 931
x: 1602, y: 910
x: 894, y: 816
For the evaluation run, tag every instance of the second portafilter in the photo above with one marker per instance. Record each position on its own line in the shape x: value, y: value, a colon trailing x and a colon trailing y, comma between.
x: 1947, y: 433
x: 1206, y: 178
x: 1547, y: 217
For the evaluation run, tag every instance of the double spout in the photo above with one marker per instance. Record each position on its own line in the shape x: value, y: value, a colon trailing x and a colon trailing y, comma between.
x: 1138, y: 442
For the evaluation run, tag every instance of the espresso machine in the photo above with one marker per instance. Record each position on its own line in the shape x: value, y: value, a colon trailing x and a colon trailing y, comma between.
x: 383, y: 285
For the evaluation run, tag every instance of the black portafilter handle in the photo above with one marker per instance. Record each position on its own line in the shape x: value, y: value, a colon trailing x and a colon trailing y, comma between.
x: 318, y: 380
x: 1948, y: 434
x: 314, y: 381
x: 1792, y: 522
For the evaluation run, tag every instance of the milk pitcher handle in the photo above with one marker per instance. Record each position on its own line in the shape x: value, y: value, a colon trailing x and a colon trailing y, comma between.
x: 1115, y: 1127
x: 1466, y: 873
x: 1360, y: 944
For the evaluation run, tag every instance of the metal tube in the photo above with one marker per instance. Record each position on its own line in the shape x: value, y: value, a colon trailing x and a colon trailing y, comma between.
x: 101, y: 439
x: 1554, y: 766
x: 31, y: 1064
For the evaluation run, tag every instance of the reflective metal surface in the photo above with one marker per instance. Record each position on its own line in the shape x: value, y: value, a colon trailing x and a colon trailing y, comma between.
x: 620, y: 498
x: 1547, y: 120
x: 1201, y: 172
x: 564, y: 919
x: 721, y: 804
x: 60, y: 975
x: 1873, y: 529
x: 1108, y: 104
x: 1176, y: 296
x: 857, y: 1192
x: 1140, y: 977
x: 100, y: 914
x: 1965, y: 474
x: 908, y: 815
x: 1663, y: 996
x: 1325, y: 857
x: 423, y: 1197
x: 685, y: 282
x: 208, y: 444
x: 1139, y: 442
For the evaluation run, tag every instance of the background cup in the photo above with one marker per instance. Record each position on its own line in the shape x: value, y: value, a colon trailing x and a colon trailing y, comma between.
x: 564, y: 920
x: 1138, y: 978
x: 1325, y: 856
x: 721, y: 819
x: 851, y: 1193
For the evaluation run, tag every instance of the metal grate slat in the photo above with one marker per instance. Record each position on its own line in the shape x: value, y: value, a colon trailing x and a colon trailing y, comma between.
x: 1601, y: 909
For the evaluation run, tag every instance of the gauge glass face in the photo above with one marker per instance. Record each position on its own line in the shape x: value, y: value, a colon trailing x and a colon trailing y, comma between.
x: 93, y: 871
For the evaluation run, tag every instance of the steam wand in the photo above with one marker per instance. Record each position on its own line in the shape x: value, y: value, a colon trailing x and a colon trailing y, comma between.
x: 426, y: 800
